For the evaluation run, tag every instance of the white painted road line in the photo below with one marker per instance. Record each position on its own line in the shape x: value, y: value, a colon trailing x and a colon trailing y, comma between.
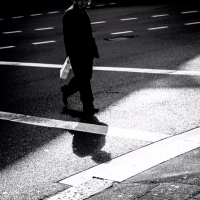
x: 83, y: 191
x: 112, y: 3
x: 124, y: 32
x: 101, y: 22
x: 8, y: 47
x: 11, y: 32
x: 188, y: 12
x: 156, y: 28
x: 100, y: 5
x: 83, y: 127
x: 148, y: 71
x: 103, y: 68
x: 192, y: 23
x: 29, y: 64
x: 45, y: 42
x: 17, y: 17
x: 127, y: 19
x: 135, y: 162
x: 34, y: 15
x: 163, y: 15
x: 41, y: 29
x: 54, y: 12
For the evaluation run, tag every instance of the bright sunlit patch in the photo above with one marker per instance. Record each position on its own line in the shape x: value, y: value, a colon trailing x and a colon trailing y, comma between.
x: 192, y: 64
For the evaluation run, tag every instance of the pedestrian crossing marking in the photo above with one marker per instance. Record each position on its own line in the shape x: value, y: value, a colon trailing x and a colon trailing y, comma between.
x: 83, y: 127
x: 114, y: 69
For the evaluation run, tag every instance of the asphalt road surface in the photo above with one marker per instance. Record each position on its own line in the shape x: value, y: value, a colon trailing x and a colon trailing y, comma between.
x: 146, y: 84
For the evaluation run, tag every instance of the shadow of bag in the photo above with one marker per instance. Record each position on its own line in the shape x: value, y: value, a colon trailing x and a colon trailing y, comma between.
x: 64, y: 71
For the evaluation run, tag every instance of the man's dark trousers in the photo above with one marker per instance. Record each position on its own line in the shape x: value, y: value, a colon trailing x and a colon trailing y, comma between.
x: 82, y: 69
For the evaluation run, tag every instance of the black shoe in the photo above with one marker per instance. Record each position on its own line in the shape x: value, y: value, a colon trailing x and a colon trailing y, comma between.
x: 90, y: 110
x: 64, y: 97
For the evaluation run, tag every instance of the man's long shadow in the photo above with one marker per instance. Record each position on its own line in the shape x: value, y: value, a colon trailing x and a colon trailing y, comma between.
x: 88, y: 144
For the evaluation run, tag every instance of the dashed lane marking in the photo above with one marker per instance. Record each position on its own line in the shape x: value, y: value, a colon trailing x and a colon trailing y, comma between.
x: 53, y: 12
x: 188, y: 12
x: 7, y: 47
x: 103, y: 68
x: 192, y: 23
x: 100, y: 5
x: 41, y: 29
x: 123, y: 32
x: 100, y: 22
x: 128, y: 19
x: 45, y: 42
x: 163, y: 15
x: 83, y: 127
x: 156, y: 28
x: 34, y: 15
x: 112, y: 3
x: 17, y: 17
x: 11, y: 32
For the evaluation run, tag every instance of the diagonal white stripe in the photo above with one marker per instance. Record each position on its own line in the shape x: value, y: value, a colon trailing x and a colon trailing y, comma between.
x: 45, y: 42
x: 83, y: 127
x: 8, y: 47
x: 123, y: 32
x: 133, y: 163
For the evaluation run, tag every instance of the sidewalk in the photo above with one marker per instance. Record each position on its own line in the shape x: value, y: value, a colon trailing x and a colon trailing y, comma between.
x: 176, y: 179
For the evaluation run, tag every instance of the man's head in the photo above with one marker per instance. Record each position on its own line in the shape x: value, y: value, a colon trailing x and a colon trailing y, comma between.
x: 82, y: 4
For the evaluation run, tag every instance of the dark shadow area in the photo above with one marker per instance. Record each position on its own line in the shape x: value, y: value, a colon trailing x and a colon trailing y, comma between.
x: 19, y: 140
x: 88, y: 144
x: 12, y: 7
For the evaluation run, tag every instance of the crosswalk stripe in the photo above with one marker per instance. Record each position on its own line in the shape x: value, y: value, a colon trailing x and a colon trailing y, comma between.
x: 114, y: 69
x: 83, y: 127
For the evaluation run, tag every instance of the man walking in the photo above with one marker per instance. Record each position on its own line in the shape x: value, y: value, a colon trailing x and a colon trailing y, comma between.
x: 81, y: 48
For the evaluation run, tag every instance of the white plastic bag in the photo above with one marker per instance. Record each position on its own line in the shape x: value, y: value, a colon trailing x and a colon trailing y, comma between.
x: 65, y: 69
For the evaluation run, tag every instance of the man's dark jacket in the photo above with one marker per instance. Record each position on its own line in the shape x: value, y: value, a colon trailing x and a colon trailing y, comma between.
x: 77, y: 30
